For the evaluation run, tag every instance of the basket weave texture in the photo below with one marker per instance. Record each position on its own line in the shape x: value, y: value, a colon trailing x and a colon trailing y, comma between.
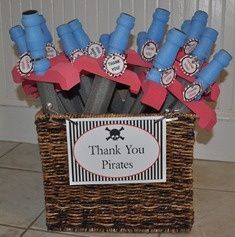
x: 155, y: 207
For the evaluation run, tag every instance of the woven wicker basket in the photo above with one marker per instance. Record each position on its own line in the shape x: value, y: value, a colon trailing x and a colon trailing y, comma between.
x: 156, y: 207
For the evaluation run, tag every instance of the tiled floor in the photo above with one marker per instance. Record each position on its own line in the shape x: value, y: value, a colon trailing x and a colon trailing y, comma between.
x: 22, y: 209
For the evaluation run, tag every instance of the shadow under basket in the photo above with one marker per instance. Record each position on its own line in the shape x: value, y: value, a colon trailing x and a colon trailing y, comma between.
x: 154, y: 207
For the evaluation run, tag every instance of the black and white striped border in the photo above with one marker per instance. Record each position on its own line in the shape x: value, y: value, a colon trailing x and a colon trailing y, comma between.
x: 154, y: 125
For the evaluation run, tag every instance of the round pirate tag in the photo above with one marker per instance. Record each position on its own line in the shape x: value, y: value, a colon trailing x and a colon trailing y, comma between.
x: 95, y: 50
x: 115, y: 64
x: 168, y: 76
x: 76, y: 54
x: 189, y: 65
x: 192, y: 91
x: 50, y: 51
x: 25, y: 65
x: 149, y: 50
x: 190, y: 46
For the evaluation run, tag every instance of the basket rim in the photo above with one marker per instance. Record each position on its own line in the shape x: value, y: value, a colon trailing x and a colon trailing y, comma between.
x: 41, y: 115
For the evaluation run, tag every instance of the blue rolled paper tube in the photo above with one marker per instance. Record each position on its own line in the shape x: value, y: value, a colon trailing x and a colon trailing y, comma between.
x: 35, y: 41
x: 45, y: 30
x: 69, y: 100
x: 198, y: 24
x: 104, y: 40
x: 155, y: 32
x: 185, y: 27
x: 67, y: 39
x: 17, y: 35
x: 157, y: 28
x: 207, y: 40
x: 201, y: 52
x: 210, y: 73
x: 118, y: 42
x: 46, y: 90
x: 166, y: 56
x: 102, y: 90
x: 79, y: 34
x: 69, y: 45
x: 141, y: 39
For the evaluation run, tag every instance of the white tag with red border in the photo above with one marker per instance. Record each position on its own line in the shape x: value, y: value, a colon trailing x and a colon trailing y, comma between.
x: 192, y: 92
x: 25, y: 65
x: 189, y: 65
x: 168, y: 76
x: 76, y: 54
x: 149, y: 50
x: 115, y: 64
x: 95, y: 50
x: 190, y: 46
x: 51, y: 51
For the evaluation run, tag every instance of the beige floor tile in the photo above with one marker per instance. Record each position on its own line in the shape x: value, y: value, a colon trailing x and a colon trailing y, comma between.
x: 123, y: 235
x: 21, y: 197
x: 214, y: 175
x: 214, y: 215
x: 10, y: 231
x: 24, y: 156
x: 40, y: 224
x: 193, y: 233
x: 36, y: 233
x: 6, y: 146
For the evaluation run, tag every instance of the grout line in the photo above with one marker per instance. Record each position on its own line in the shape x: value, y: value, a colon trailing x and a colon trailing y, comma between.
x: 219, y: 161
x: 32, y: 223
x: 89, y: 234
x: 216, y: 190
x: 21, y: 169
x: 45, y: 231
x: 13, y: 226
x: 18, y: 144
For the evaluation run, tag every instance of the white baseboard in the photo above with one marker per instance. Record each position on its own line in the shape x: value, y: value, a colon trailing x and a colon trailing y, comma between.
x: 17, y: 124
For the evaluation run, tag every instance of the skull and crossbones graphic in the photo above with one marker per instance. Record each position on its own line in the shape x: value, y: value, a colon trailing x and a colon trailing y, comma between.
x: 114, y: 134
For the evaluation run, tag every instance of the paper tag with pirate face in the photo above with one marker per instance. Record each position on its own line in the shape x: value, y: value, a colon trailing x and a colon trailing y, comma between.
x: 115, y: 64
x: 190, y: 65
x: 168, y: 76
x: 192, y: 92
x: 149, y: 50
x: 76, y: 54
x: 50, y: 51
x: 95, y: 50
x: 25, y: 65
x: 190, y: 46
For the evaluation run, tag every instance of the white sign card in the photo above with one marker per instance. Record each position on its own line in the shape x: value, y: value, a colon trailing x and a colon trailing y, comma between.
x: 116, y: 150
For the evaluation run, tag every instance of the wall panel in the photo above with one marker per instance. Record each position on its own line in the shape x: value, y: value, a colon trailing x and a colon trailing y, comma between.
x: 99, y: 16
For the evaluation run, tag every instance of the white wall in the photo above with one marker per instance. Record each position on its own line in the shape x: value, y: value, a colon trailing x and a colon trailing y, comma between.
x: 98, y: 16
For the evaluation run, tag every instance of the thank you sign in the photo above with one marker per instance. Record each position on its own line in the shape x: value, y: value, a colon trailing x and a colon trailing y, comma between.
x: 116, y: 150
